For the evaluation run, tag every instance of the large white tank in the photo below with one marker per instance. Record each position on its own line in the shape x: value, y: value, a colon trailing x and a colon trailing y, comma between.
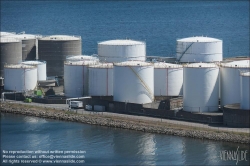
x: 168, y: 79
x: 121, y: 50
x: 134, y: 82
x: 245, y: 91
x: 200, y: 87
x: 20, y: 77
x: 76, y: 78
x: 81, y: 58
x: 101, y: 79
x: 230, y: 81
x: 199, y: 49
x: 41, y: 69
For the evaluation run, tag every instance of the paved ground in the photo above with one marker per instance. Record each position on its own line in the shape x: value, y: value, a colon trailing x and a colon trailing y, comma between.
x: 193, y: 124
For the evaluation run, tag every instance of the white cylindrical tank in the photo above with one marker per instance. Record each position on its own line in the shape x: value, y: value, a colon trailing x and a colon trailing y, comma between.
x: 81, y: 58
x: 41, y: 69
x: 168, y: 79
x: 200, y: 87
x: 230, y: 81
x: 101, y: 79
x: 76, y: 78
x: 121, y: 50
x: 134, y: 82
x: 245, y: 91
x: 199, y: 49
x: 20, y: 77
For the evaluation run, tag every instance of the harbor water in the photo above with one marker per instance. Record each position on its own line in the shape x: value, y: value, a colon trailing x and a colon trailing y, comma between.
x: 111, y: 146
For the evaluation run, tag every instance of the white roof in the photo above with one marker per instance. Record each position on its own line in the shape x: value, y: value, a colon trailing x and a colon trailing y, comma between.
x: 61, y: 37
x: 33, y: 62
x: 121, y: 42
x: 7, y: 33
x: 22, y: 36
x: 166, y: 65
x: 201, y: 65
x: 133, y: 63
x: 199, y: 39
x: 237, y: 64
x: 245, y: 73
x: 8, y: 40
x: 17, y: 66
x: 102, y: 65
x: 81, y: 57
x: 80, y: 63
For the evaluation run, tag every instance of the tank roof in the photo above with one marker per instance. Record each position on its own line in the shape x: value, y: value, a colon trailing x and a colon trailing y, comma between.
x: 80, y: 63
x: 199, y: 39
x: 201, y: 65
x: 121, y: 42
x: 245, y: 74
x: 61, y: 37
x: 102, y: 65
x: 18, y: 66
x: 33, y: 62
x: 237, y: 64
x: 8, y: 40
x: 23, y: 36
x: 81, y: 57
x: 7, y: 33
x: 166, y: 65
x: 133, y: 63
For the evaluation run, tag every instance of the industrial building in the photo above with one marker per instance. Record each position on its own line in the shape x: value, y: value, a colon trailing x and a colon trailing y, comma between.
x: 198, y: 85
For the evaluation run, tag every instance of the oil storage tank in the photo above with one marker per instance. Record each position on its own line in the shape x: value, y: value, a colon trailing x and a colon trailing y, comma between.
x: 230, y: 81
x: 121, y: 50
x: 200, y: 87
x: 11, y: 52
x: 41, y: 69
x: 199, y: 49
x: 133, y: 82
x: 81, y: 58
x: 168, y: 79
x: 29, y: 45
x: 76, y: 78
x: 55, y: 49
x: 20, y: 77
x: 101, y: 79
x: 245, y: 92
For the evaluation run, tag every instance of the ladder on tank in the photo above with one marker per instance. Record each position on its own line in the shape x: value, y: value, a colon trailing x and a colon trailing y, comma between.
x: 143, y: 83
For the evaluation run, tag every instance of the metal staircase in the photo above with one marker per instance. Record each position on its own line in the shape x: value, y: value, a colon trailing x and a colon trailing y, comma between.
x: 143, y: 83
x: 185, y: 51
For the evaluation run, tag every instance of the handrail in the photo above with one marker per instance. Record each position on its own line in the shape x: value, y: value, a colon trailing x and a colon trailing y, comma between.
x: 143, y: 83
x: 185, y: 51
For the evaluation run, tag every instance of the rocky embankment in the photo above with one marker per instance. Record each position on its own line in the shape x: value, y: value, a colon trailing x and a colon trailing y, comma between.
x: 125, y: 123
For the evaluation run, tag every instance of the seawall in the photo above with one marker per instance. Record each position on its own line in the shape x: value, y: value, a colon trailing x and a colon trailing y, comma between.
x: 126, y: 123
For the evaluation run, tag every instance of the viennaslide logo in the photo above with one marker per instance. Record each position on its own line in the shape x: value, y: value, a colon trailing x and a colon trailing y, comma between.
x: 235, y: 155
